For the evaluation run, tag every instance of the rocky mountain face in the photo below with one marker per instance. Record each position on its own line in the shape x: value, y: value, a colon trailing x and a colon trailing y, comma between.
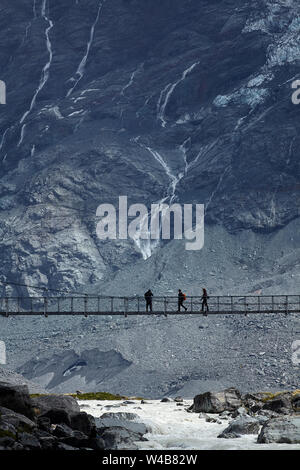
x: 184, y: 100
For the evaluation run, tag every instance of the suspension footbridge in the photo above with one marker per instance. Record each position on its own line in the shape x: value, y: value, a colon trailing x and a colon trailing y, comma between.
x: 162, y: 305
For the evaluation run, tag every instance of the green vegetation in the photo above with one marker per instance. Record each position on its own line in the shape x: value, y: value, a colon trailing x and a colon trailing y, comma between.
x: 97, y: 396
x: 6, y: 433
x: 85, y: 396
x: 267, y: 396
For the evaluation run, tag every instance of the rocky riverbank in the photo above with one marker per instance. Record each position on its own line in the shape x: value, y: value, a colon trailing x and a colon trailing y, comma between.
x: 273, y: 417
x: 55, y: 422
x: 58, y: 422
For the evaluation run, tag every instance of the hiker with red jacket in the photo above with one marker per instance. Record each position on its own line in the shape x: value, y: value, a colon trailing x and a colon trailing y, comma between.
x: 204, y: 300
x: 181, y: 299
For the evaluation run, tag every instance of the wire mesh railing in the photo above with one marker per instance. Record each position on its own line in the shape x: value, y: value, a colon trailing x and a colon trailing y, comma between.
x: 134, y: 305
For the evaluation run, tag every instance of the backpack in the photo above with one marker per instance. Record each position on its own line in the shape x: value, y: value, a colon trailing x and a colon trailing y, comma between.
x: 184, y: 296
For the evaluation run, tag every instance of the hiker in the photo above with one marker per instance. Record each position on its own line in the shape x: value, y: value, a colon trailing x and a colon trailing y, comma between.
x: 204, y: 300
x: 181, y: 298
x: 148, y: 297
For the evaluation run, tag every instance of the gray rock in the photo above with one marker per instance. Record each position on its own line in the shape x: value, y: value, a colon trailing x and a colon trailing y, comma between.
x: 17, y: 420
x: 29, y: 441
x: 58, y: 416
x: 121, y: 416
x: 77, y: 439
x: 242, y: 425
x: 7, y: 441
x: 229, y: 435
x: 178, y: 400
x: 133, y: 426
x: 217, y: 402
x: 7, y: 428
x: 62, y: 430
x: 239, y: 412
x: 16, y: 398
x: 59, y: 402
x: 120, y: 438
x: 166, y: 400
x: 44, y: 423
x: 279, y: 404
x: 83, y: 422
x: 62, y: 446
x: 281, y: 430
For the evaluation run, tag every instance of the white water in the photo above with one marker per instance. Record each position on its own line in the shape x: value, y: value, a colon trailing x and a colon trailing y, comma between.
x: 167, y: 92
x: 183, y: 149
x: 173, y: 428
x: 142, y: 239
x: 45, y: 72
x: 217, y: 187
x: 81, y: 67
x: 131, y: 80
x: 3, y: 138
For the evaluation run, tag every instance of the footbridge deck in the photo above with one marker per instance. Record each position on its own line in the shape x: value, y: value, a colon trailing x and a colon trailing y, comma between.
x: 167, y: 305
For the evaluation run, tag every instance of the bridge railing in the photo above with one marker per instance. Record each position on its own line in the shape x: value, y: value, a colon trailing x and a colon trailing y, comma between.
x: 136, y: 304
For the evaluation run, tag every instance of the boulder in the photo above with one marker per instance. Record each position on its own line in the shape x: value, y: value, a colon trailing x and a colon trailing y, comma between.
x: 132, y: 426
x: 16, y: 398
x: 239, y: 412
x: 77, y: 439
x: 118, y: 438
x: 178, y: 400
x: 279, y: 404
x: 121, y: 415
x: 166, y: 400
x: 62, y: 446
x: 281, y: 430
x: 58, y: 416
x: 44, y: 423
x: 296, y: 403
x: 44, y: 403
x: 17, y: 420
x: 7, y: 441
x: 241, y: 425
x: 84, y: 422
x: 62, y: 430
x: 29, y: 441
x: 217, y: 402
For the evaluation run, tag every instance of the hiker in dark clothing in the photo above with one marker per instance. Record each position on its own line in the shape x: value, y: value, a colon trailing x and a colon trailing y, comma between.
x: 204, y: 300
x: 181, y: 298
x: 148, y: 297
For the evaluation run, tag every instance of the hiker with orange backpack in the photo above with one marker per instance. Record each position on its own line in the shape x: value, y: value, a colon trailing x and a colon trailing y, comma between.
x: 181, y: 299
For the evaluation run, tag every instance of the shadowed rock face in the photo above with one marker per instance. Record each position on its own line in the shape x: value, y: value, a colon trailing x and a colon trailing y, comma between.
x: 280, y: 430
x: 96, y: 89
x: 217, y: 402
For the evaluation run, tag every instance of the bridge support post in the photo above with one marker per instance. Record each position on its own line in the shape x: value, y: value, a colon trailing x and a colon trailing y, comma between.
x: 85, y: 301
x: 6, y: 307
x: 165, y: 307
x: 125, y: 306
x: 45, y: 307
